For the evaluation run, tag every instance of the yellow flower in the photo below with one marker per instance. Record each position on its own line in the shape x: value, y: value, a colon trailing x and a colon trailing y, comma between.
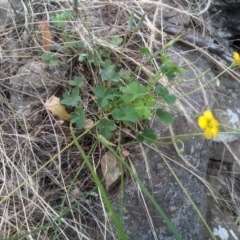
x: 236, y: 59
x: 208, y: 123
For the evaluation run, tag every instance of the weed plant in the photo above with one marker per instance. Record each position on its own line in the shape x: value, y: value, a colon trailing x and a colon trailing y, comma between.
x: 115, y: 98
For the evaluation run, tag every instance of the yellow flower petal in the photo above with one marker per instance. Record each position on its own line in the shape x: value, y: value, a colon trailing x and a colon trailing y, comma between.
x: 215, y: 131
x: 208, y: 133
x: 208, y: 115
x: 215, y: 122
x: 236, y: 58
x: 202, y: 122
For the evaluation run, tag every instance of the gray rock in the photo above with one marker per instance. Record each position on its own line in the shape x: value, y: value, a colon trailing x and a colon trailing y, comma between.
x: 227, y: 111
x: 111, y: 170
x: 7, y: 13
x: 160, y: 182
x: 221, y: 223
x: 225, y: 4
x: 33, y: 83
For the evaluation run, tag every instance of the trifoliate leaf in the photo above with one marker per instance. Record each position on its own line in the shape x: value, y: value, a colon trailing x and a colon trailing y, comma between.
x: 106, y: 127
x: 78, y: 117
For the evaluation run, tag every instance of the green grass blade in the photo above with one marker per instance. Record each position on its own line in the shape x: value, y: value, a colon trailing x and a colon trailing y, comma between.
x: 144, y: 189
x: 118, y: 224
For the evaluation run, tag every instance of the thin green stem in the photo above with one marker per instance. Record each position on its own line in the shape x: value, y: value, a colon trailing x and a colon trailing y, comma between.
x: 112, y: 213
x: 144, y: 189
x: 204, y: 85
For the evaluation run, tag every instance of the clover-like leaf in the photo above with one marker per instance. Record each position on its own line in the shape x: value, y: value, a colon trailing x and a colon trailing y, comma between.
x: 106, y: 127
x: 71, y: 99
x: 115, y: 41
x: 103, y: 95
x: 125, y: 113
x: 143, y: 107
x: 107, y: 71
x: 78, y: 117
x: 165, y: 116
x: 49, y: 58
x: 77, y: 81
x: 133, y: 91
x: 163, y: 92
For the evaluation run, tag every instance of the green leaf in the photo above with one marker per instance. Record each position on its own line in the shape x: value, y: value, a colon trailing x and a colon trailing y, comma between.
x: 106, y: 127
x: 78, y: 45
x: 99, y: 91
x: 170, y: 99
x: 110, y: 75
x: 115, y: 41
x: 107, y: 71
x: 77, y: 81
x: 130, y: 22
x: 169, y: 68
x: 148, y: 135
x: 103, y: 95
x: 170, y: 43
x: 146, y: 51
x: 50, y: 59
x: 71, y: 99
x: 162, y: 91
x: 133, y: 91
x: 82, y: 57
x: 125, y: 74
x: 125, y: 113
x: 59, y: 18
x: 140, y: 22
x: 143, y: 108
x: 181, y: 70
x: 165, y: 116
x: 78, y: 117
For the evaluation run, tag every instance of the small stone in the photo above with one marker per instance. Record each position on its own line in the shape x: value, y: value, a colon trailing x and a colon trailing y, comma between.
x: 33, y: 83
x: 111, y: 170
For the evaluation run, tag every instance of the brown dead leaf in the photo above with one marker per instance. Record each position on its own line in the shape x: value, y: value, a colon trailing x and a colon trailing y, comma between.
x: 46, y: 35
x: 58, y: 110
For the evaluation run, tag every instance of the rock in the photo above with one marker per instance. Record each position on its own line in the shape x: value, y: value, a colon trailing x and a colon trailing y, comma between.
x: 176, y: 17
x: 236, y: 168
x: 7, y: 13
x: 227, y: 111
x: 33, y: 83
x: 223, y: 21
x: 227, y: 152
x: 221, y: 223
x: 225, y: 4
x: 156, y: 176
x: 227, y: 117
x: 111, y: 169
x: 3, y: 12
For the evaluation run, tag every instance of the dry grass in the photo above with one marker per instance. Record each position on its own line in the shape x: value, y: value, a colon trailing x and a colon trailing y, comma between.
x: 38, y: 162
